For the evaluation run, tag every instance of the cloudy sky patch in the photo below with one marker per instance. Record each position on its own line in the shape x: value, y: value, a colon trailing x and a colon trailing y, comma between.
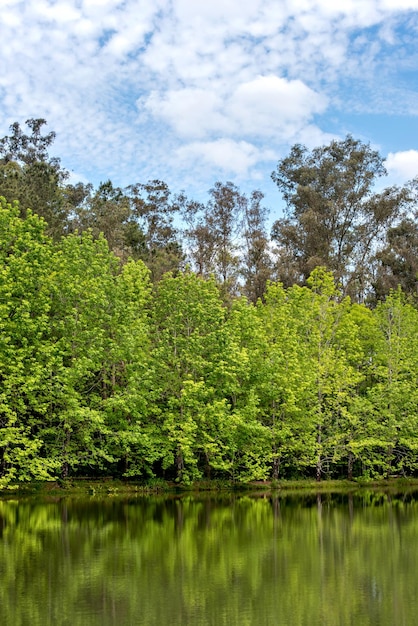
x: 186, y: 90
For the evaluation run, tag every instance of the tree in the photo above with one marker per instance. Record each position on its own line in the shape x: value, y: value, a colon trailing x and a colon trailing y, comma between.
x: 334, y: 218
x: 107, y: 212
x: 287, y: 385
x: 132, y: 440
x: 223, y: 218
x: 154, y: 210
x: 28, y: 149
x: 80, y: 322
x: 243, y: 375
x: 213, y: 235
x: 28, y: 174
x: 398, y: 260
x: 309, y: 375
x: 26, y: 352
x: 188, y: 342
x: 256, y: 266
x: 392, y: 399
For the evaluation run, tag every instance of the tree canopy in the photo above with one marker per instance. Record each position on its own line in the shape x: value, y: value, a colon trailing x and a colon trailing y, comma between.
x: 334, y: 216
x: 144, y: 334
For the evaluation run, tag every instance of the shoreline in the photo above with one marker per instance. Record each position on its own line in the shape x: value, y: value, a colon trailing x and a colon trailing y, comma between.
x: 116, y: 487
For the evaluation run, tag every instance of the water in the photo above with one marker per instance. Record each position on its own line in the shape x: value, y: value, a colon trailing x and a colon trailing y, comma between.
x: 231, y: 560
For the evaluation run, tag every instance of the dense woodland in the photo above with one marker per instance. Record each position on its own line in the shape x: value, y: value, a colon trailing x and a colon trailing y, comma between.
x: 144, y: 334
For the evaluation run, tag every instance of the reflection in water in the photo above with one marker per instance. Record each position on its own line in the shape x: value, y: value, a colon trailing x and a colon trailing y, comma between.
x: 312, y: 561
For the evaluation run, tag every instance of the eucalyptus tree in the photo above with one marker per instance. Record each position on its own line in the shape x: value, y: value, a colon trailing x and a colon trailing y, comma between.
x: 256, y: 261
x: 28, y: 174
x: 398, y: 259
x: 107, y: 211
x: 154, y: 210
x: 334, y: 218
x: 28, y: 149
x: 213, y: 236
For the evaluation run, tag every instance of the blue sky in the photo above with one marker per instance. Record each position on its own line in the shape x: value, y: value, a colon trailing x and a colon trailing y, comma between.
x: 191, y: 91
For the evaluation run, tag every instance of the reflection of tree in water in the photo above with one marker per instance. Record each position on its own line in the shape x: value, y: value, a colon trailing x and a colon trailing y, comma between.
x: 155, y: 561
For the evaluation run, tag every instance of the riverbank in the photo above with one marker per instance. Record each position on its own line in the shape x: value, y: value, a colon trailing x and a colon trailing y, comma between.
x: 113, y: 487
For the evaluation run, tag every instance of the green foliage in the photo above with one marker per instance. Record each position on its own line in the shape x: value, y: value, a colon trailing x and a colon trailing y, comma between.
x: 26, y: 356
x: 334, y: 217
x: 30, y: 176
x: 234, y: 559
x: 111, y: 365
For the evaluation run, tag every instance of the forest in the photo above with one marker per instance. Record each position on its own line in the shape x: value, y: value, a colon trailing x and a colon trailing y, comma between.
x: 147, y: 335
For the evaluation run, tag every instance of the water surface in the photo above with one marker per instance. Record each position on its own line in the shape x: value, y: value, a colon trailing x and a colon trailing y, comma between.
x: 231, y: 560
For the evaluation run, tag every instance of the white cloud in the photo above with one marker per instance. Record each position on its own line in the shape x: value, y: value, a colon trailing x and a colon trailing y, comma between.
x: 265, y: 106
x: 271, y: 104
x: 191, y: 112
x: 215, y: 82
x: 236, y: 157
x: 400, y: 5
x: 402, y: 166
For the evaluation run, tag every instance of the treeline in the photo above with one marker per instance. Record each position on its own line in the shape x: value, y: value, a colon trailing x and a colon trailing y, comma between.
x: 110, y: 365
x: 334, y: 218
x: 104, y: 373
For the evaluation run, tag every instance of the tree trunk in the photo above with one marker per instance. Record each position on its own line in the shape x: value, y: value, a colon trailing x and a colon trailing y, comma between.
x: 179, y: 465
x: 350, y: 464
x: 319, y: 460
x: 276, y: 467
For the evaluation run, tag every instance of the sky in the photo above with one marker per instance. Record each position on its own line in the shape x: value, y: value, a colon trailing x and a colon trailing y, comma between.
x: 195, y: 91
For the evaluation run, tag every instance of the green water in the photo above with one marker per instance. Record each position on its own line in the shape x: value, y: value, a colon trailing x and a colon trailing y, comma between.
x: 233, y: 560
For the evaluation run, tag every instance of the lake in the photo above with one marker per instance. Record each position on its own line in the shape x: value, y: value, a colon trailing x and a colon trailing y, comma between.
x: 312, y: 560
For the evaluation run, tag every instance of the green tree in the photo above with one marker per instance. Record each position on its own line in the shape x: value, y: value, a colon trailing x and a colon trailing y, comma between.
x: 133, y: 440
x: 80, y: 318
x: 287, y: 386
x: 26, y: 353
x: 336, y: 350
x: 334, y: 218
x: 154, y: 210
x: 188, y: 318
x: 310, y: 375
x: 392, y: 399
x: 398, y: 260
x: 28, y: 174
x: 242, y: 378
x: 256, y: 264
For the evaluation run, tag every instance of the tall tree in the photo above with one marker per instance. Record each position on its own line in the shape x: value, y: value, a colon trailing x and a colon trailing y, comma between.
x: 28, y: 174
x: 398, y: 260
x: 309, y: 375
x: 256, y: 264
x: 288, y: 380
x: 154, y: 209
x: 107, y: 211
x: 334, y: 218
x: 213, y: 235
x: 132, y: 441
x: 82, y: 292
x: 392, y: 399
